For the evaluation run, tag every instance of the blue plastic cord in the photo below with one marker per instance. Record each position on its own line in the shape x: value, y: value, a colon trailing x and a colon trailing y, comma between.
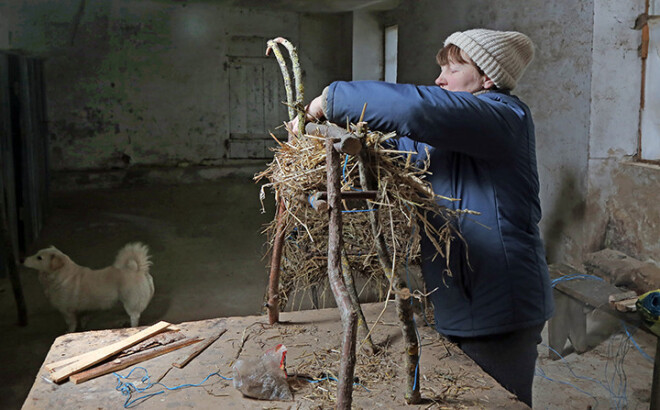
x: 639, y: 349
x: 127, y: 388
x: 359, y: 210
x: 615, y: 398
x: 574, y: 277
x: 343, y: 175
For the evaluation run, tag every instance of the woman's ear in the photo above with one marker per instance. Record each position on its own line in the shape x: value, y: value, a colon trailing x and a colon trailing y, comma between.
x: 488, y: 83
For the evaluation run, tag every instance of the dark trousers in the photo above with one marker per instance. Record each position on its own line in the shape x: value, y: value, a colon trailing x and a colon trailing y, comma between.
x: 510, y: 358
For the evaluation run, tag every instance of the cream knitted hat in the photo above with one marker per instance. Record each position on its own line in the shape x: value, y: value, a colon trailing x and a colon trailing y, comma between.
x: 502, y: 55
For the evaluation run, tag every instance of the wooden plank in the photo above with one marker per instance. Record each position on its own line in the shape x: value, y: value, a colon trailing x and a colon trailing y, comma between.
x: 322, y: 335
x: 124, y: 362
x: 199, y: 350
x: 237, y: 99
x: 595, y: 293
x: 275, y: 113
x: 91, y: 358
x: 254, y: 89
x: 53, y: 366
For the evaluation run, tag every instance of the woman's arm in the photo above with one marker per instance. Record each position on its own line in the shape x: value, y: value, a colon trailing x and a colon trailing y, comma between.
x: 458, y: 121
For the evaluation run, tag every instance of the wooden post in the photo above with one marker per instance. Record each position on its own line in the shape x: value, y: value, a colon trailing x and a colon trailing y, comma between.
x: 352, y: 293
x: 10, y: 260
x: 655, y: 384
x: 348, y: 314
x: 273, y: 304
x: 403, y: 306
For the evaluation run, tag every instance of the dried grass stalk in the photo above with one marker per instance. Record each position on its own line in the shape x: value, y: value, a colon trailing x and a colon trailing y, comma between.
x: 406, y: 204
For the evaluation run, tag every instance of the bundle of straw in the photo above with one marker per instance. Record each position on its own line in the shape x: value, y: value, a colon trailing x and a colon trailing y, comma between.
x: 406, y: 205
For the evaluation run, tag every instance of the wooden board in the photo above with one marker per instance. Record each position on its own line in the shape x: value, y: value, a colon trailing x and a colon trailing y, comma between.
x: 312, y: 339
x: 124, y: 362
x: 97, y: 356
x: 593, y: 292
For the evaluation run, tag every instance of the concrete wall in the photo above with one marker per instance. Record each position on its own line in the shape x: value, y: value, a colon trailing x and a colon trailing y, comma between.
x: 367, y: 46
x: 556, y: 86
x: 146, y: 83
x: 623, y: 195
x: 583, y: 88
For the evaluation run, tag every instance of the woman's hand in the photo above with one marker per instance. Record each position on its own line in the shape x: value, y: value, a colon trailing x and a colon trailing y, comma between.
x: 313, y: 112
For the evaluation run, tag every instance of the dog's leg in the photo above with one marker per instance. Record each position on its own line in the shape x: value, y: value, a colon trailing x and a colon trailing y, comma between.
x: 135, y: 318
x: 71, y: 321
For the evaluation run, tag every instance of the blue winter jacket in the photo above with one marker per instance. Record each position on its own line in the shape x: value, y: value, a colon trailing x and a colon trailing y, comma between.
x: 482, y: 151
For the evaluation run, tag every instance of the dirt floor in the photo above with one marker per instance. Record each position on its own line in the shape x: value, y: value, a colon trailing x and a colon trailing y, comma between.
x: 207, y: 251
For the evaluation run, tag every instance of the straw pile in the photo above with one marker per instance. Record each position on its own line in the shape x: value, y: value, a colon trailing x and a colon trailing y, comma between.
x: 406, y: 204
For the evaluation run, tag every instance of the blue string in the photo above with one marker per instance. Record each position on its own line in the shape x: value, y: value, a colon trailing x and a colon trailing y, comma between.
x: 574, y: 277
x: 359, y: 210
x: 343, y: 175
x: 540, y: 373
x: 614, y: 397
x: 643, y: 353
x: 127, y: 388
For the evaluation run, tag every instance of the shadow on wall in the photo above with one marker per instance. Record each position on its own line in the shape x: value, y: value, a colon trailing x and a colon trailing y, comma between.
x: 565, y: 218
x: 621, y: 232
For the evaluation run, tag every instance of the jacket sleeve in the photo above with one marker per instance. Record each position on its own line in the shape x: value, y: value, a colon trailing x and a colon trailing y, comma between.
x: 481, y: 126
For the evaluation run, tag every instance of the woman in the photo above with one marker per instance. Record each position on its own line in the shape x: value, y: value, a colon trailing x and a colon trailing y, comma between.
x: 481, y: 145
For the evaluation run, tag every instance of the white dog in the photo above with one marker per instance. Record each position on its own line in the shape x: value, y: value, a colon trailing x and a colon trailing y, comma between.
x: 73, y: 289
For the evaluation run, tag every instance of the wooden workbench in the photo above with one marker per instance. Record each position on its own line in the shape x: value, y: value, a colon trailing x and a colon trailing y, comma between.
x: 449, y: 378
x: 570, y: 319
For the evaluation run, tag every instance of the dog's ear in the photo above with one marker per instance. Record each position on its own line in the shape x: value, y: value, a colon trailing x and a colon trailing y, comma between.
x: 56, y: 262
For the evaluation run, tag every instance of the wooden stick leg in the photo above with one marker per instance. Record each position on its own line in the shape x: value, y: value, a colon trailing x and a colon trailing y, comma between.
x: 348, y: 314
x: 352, y: 292
x: 274, y: 277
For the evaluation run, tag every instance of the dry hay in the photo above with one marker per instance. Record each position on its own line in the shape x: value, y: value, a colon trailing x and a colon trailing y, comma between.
x: 313, y: 377
x: 405, y: 203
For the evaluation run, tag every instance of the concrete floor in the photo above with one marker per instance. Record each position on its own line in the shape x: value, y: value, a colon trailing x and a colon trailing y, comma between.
x: 206, y: 246
x: 208, y: 252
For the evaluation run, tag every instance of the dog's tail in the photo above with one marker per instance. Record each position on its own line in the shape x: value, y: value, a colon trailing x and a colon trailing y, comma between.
x: 134, y: 256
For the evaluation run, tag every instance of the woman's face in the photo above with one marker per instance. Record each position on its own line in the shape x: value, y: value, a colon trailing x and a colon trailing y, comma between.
x: 462, y: 77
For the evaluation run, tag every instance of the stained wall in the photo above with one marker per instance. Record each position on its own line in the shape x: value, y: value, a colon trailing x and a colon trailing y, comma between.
x: 146, y: 83
x: 583, y: 88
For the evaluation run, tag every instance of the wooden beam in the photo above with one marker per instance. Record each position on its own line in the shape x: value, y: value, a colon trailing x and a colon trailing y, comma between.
x: 199, y: 349
x: 346, y: 310
x: 343, y: 141
x: 124, y: 362
x: 89, y: 359
x: 273, y: 304
x: 51, y: 367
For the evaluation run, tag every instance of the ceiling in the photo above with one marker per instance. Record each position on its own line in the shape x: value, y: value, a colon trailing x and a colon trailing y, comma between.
x: 319, y: 6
